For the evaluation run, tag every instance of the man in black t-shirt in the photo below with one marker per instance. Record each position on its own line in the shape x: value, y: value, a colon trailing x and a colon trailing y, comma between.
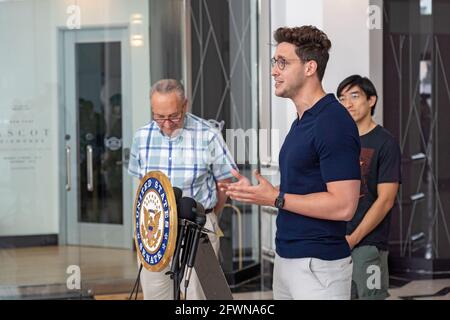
x: 368, y: 231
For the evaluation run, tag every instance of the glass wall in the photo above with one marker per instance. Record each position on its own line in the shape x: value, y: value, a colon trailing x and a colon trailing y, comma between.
x: 224, y: 89
x: 67, y: 116
x: 416, y: 104
x: 74, y: 88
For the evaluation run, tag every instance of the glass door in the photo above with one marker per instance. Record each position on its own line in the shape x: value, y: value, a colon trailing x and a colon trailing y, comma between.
x: 98, y: 188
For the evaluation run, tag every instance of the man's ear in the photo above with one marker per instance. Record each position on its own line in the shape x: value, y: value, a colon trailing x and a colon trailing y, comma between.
x: 372, y: 101
x: 311, y: 68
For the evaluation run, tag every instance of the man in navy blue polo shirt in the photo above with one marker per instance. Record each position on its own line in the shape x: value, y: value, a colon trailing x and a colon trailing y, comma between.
x: 320, y: 175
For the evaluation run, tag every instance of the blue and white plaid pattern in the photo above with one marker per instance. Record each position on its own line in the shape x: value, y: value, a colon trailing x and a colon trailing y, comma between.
x: 193, y: 160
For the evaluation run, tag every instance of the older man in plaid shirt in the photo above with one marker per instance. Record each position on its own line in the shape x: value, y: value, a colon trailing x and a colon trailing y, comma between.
x: 193, y: 154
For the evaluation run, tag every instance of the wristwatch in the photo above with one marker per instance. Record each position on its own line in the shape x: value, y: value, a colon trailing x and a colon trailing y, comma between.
x: 279, y: 201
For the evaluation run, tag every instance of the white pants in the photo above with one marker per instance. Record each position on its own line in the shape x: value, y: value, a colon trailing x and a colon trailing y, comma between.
x: 159, y: 286
x: 312, y: 279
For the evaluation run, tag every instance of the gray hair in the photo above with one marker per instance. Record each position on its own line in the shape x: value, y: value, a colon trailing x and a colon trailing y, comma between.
x: 168, y: 86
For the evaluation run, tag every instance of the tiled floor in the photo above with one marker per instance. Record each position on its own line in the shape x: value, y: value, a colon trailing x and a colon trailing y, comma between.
x: 421, y: 288
x: 412, y: 290
x: 26, y: 272
x: 257, y: 295
x: 409, y: 291
x: 41, y: 272
x: 267, y: 295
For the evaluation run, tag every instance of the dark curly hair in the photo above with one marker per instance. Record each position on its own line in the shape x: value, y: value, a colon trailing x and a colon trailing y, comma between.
x: 311, y: 43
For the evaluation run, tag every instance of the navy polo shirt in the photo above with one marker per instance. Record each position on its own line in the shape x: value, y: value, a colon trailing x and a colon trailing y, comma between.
x: 323, y: 146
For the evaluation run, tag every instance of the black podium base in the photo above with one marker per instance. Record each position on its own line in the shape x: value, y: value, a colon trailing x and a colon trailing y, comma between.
x: 210, y: 274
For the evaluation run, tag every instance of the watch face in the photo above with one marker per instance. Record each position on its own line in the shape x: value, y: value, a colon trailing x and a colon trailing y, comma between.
x: 279, y: 203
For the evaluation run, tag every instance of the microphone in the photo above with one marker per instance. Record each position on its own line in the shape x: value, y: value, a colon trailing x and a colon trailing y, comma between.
x: 187, y: 209
x: 178, y: 194
x: 175, y: 260
x: 200, y: 220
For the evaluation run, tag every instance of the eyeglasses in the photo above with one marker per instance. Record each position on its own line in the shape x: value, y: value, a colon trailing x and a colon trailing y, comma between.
x: 353, y: 97
x: 172, y: 119
x: 281, y: 62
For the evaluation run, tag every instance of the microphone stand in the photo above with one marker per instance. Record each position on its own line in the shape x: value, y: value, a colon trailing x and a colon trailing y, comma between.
x: 136, y: 284
x: 175, y: 266
x: 185, y: 245
x: 181, y: 255
x: 186, y: 251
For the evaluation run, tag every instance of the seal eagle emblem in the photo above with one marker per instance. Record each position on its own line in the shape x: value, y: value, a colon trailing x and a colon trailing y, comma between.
x: 155, y: 221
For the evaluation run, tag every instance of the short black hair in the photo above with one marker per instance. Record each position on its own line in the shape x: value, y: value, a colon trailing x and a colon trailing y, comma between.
x: 363, y: 83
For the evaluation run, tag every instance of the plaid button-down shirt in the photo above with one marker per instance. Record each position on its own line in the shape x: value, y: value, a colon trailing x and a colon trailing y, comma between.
x: 193, y: 160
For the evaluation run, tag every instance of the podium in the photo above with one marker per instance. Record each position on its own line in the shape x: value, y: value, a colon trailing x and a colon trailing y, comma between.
x: 158, y: 240
x: 209, y: 272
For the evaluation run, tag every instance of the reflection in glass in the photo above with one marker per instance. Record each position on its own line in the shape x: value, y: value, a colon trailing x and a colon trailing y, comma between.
x: 100, y: 131
x: 426, y: 7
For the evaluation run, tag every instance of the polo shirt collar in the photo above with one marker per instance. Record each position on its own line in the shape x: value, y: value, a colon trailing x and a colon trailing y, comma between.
x: 319, y: 105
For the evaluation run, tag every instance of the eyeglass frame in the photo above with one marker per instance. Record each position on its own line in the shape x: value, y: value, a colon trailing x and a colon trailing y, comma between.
x: 354, y: 97
x: 173, y: 120
x: 283, y: 62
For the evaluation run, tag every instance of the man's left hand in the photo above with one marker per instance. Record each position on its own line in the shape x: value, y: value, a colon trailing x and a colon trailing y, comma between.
x: 351, y: 242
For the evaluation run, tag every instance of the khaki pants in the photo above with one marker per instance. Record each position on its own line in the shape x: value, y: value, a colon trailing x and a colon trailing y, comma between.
x: 159, y: 286
x: 312, y: 279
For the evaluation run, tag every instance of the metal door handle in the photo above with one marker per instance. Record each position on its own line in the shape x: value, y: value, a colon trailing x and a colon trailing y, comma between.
x: 90, y: 171
x: 126, y: 156
x: 68, y: 179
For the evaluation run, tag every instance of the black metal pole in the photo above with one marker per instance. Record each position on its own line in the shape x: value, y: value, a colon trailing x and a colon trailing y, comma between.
x: 136, y: 284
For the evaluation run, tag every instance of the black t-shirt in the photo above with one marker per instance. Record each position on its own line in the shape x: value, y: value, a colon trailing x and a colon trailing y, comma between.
x: 380, y: 161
